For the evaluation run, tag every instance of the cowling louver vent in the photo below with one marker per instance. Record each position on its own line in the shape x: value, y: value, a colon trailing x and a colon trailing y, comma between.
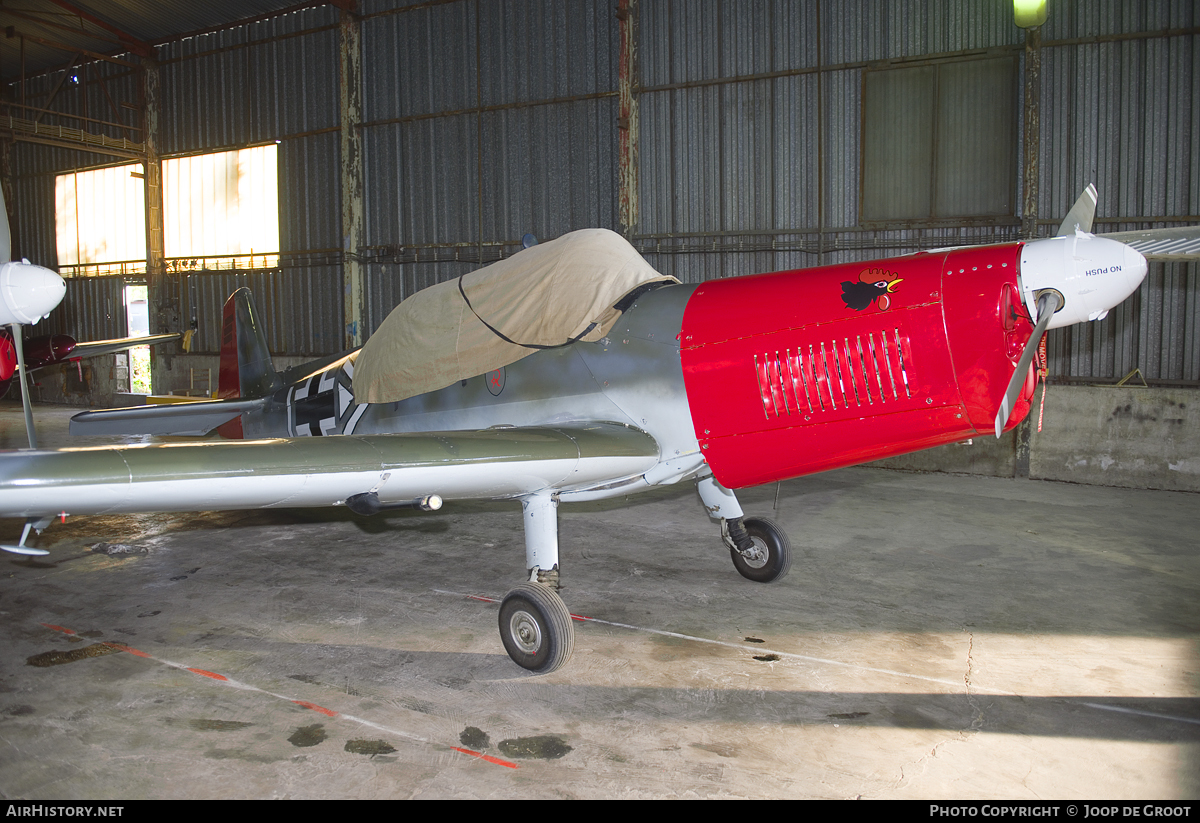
x: 835, y: 373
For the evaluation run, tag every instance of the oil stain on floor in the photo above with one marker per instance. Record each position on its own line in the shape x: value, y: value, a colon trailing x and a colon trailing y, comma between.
x: 541, y: 747
x: 57, y: 658
x: 307, y: 736
x: 474, y: 738
x: 202, y: 724
x: 369, y: 747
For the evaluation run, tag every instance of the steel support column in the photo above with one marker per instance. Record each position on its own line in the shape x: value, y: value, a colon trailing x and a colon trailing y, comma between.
x: 163, y: 317
x: 350, y: 97
x: 1033, y: 129
x: 10, y: 202
x: 627, y: 117
x: 1029, y: 208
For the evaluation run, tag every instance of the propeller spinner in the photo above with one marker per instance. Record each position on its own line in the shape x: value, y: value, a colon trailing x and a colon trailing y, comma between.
x: 1092, y: 274
x: 28, y: 292
x: 1071, y: 279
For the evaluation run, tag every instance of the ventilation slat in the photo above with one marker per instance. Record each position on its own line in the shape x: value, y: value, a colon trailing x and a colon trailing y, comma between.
x: 822, y: 375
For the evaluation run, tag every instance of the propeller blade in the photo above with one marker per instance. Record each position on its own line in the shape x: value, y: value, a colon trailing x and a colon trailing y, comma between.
x: 1081, y: 214
x: 1047, y: 304
x: 19, y: 345
x: 1179, y: 244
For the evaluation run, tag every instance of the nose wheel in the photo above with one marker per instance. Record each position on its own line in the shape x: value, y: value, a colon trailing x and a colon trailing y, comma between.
x: 760, y: 550
x: 536, y: 628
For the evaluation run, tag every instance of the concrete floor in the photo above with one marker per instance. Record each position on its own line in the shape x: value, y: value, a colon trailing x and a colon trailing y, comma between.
x: 939, y: 636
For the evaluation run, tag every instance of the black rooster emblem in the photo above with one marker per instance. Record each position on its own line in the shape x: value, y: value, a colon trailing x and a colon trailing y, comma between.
x: 874, y: 285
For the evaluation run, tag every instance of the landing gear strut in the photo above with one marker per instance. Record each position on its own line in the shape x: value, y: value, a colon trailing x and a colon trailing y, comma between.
x: 535, y: 625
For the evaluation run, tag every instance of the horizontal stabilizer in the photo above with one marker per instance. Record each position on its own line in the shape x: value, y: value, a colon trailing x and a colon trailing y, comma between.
x: 175, y: 418
x: 320, y: 471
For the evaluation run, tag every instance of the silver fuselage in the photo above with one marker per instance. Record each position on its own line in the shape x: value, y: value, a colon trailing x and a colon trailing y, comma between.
x: 633, y: 377
x: 583, y: 421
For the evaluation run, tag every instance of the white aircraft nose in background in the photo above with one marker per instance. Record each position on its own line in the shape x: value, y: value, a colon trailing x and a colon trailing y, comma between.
x: 28, y: 292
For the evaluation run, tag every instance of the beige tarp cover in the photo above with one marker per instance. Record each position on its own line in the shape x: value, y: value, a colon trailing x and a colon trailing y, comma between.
x: 543, y: 296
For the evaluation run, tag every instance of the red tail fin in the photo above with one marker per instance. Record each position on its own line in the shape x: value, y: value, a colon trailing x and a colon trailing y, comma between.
x: 228, y: 384
x: 246, y: 369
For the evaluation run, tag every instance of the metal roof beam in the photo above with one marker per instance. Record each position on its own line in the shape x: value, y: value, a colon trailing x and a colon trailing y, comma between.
x: 12, y: 32
x: 134, y: 44
x: 54, y: 24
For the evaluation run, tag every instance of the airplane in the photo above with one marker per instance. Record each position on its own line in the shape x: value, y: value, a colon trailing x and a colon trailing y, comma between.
x: 573, y: 371
x: 54, y: 349
x: 28, y: 293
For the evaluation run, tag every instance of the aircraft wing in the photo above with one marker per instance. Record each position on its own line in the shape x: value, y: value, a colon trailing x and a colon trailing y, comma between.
x: 320, y: 471
x: 98, y: 347
x: 190, y: 419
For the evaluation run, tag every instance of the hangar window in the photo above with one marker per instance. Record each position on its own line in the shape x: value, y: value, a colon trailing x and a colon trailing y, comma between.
x: 220, y: 211
x: 100, y: 221
x: 940, y: 141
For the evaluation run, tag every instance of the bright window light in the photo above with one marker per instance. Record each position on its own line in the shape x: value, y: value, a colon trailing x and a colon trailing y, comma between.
x: 220, y: 211
x: 100, y: 221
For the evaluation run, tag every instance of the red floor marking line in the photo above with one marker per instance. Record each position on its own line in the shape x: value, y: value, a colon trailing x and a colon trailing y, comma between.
x: 124, y: 648
x: 327, y: 712
x: 487, y: 757
x: 316, y: 708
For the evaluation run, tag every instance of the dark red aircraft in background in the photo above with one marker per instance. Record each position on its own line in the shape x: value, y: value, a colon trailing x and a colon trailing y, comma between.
x: 53, y: 349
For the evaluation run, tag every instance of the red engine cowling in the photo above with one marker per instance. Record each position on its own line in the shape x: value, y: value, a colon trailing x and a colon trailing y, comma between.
x: 803, y: 371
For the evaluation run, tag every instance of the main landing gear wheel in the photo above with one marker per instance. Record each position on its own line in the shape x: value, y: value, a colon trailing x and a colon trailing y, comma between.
x: 771, y: 556
x: 536, y: 628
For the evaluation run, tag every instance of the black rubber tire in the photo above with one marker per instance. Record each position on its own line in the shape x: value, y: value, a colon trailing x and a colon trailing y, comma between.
x: 536, y: 628
x: 771, y: 539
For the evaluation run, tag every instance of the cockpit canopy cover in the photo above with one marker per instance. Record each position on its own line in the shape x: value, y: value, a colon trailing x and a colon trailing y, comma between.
x: 545, y: 296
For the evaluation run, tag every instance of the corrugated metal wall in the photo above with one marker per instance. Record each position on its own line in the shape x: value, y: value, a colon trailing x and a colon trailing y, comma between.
x: 746, y: 146
x: 94, y: 304
x: 484, y: 120
x: 272, y: 80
